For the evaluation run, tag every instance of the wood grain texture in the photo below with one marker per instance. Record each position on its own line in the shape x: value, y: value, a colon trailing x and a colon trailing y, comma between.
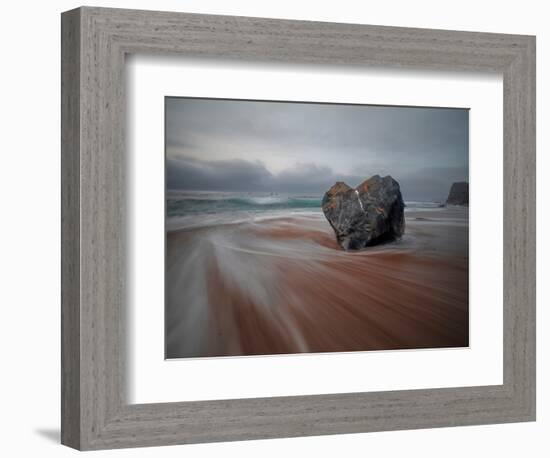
x: 70, y: 229
x: 96, y: 414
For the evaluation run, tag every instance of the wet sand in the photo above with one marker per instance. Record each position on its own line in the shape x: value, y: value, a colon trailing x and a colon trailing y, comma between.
x: 283, y: 285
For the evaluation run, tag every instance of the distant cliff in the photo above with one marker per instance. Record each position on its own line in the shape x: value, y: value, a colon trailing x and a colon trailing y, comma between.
x: 459, y: 194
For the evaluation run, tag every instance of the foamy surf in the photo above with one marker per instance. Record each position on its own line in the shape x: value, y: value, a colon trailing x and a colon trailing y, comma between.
x: 186, y: 209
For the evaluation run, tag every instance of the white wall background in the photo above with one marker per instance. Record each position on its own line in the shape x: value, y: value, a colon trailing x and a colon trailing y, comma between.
x: 29, y: 229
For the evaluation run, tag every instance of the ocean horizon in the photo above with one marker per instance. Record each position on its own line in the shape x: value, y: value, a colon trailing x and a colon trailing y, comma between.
x: 186, y: 209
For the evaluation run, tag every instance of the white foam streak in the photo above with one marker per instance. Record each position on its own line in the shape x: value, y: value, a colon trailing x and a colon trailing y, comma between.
x: 359, y: 199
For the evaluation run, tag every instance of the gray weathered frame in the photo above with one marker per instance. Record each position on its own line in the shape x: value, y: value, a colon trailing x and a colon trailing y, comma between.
x: 95, y: 414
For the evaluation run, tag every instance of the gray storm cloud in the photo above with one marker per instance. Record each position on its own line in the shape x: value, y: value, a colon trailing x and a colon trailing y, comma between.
x: 228, y: 145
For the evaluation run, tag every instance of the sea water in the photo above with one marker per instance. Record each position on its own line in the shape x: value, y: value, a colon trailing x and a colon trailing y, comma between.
x: 187, y: 209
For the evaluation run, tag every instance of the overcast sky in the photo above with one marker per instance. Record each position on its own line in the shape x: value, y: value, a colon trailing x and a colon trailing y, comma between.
x: 227, y: 145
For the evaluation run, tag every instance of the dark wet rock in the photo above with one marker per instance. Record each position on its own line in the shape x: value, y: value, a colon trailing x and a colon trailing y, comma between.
x: 458, y: 195
x: 370, y: 214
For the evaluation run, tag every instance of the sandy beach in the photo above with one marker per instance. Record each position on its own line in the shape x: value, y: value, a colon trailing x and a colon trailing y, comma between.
x: 283, y: 285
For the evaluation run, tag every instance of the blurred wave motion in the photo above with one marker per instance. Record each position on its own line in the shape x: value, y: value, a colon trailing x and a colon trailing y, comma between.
x: 258, y: 275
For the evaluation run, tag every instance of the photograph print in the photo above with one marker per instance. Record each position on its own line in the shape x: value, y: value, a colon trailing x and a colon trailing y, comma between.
x: 299, y: 227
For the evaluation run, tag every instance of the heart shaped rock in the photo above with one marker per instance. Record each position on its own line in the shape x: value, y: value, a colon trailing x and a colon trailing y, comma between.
x: 370, y: 214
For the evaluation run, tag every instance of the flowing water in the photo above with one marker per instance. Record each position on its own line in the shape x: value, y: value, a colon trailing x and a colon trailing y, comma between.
x: 262, y: 274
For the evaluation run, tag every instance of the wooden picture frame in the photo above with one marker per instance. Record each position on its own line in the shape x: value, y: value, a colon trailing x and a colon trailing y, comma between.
x: 95, y: 412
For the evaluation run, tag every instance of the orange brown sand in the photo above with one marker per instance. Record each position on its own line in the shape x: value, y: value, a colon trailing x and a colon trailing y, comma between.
x: 285, y: 286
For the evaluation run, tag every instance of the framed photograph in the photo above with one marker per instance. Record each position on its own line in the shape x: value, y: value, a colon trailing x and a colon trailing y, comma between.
x: 276, y: 228
x: 276, y: 254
